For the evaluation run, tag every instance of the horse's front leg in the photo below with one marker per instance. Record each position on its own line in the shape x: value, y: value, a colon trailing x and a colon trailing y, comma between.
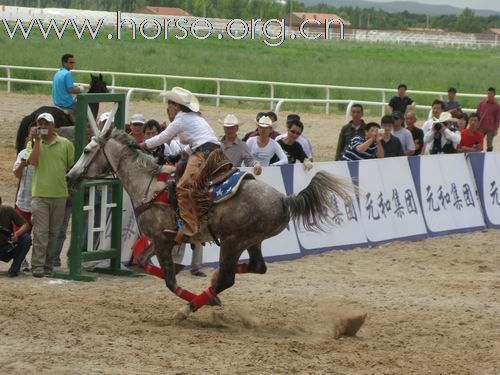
x: 230, y: 252
x: 164, y: 245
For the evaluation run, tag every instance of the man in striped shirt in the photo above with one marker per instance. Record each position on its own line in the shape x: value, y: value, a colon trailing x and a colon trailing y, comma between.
x: 367, y: 147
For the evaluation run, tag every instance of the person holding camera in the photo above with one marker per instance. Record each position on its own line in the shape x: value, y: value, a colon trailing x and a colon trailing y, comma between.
x: 52, y: 156
x: 443, y: 137
x: 14, y: 245
x: 368, y: 146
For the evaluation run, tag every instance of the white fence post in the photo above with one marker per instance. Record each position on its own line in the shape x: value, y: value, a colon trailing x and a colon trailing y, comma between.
x: 113, y: 83
x: 127, y: 102
x: 217, y: 101
x: 8, y: 77
x: 348, y: 110
x: 327, y: 105
x: 272, y: 96
x: 383, y: 101
x: 164, y: 88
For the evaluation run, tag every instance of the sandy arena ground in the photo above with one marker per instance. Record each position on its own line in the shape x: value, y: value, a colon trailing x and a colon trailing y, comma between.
x: 433, y: 306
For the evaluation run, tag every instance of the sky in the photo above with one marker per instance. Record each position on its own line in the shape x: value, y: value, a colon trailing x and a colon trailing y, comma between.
x: 474, y: 4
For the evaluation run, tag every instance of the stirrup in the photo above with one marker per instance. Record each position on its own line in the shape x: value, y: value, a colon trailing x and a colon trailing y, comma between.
x: 180, y: 237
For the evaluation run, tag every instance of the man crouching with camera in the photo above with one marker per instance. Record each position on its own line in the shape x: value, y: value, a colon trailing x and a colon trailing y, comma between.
x: 443, y: 138
x: 14, y: 244
x: 52, y: 156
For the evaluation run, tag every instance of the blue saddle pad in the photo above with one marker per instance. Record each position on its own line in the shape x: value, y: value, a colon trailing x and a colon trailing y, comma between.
x: 226, y: 189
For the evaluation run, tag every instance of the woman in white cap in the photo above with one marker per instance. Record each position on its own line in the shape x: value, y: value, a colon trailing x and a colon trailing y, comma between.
x: 193, y: 130
x: 263, y: 148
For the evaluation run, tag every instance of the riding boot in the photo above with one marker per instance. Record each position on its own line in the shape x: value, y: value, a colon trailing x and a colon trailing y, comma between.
x: 187, y: 205
x: 188, y: 213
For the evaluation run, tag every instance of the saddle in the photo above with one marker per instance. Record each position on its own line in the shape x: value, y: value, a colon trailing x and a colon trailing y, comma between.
x: 216, y: 171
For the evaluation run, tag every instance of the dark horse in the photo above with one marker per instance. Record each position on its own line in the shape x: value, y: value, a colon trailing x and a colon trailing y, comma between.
x: 97, y: 85
x: 255, y: 213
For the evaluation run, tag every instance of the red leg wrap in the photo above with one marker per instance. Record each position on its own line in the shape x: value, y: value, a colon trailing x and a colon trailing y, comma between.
x: 184, y: 294
x: 155, y: 271
x: 242, y: 268
x: 203, y: 299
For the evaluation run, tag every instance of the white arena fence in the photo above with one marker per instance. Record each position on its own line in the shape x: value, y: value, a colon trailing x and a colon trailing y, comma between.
x: 274, y: 102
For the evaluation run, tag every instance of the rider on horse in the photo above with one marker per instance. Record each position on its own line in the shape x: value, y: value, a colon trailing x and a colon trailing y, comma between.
x: 193, y: 130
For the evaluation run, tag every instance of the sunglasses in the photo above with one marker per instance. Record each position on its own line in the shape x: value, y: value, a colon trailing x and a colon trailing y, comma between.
x: 295, y: 132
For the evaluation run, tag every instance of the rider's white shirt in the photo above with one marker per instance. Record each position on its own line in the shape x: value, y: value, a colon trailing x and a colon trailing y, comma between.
x: 190, y: 128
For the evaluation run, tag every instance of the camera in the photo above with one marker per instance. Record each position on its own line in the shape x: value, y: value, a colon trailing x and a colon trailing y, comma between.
x: 381, y: 131
x: 438, y: 127
x: 42, y: 131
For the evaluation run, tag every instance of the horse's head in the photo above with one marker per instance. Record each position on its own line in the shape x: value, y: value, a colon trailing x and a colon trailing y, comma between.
x: 97, y: 84
x: 93, y: 162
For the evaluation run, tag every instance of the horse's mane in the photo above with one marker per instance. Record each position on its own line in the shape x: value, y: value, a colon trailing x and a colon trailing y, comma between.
x: 139, y: 157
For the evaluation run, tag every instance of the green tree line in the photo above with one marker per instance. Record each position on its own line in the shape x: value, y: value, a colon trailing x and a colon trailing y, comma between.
x: 370, y: 18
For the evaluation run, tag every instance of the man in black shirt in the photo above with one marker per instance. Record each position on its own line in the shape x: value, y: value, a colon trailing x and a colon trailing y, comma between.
x: 292, y: 148
x: 417, y: 133
x: 400, y: 102
x: 391, y: 144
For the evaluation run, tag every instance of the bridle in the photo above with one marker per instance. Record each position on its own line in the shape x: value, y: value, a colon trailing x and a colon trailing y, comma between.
x: 100, y: 144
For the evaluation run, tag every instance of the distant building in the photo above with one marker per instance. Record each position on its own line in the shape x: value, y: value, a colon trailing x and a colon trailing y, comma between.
x: 317, y: 22
x: 491, y: 35
x: 164, y: 11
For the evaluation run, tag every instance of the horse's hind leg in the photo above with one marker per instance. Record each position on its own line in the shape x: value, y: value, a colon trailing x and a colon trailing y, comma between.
x: 256, y: 263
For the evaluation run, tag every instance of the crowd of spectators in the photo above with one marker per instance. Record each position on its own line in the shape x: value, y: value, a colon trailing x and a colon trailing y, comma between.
x: 448, y: 130
x: 42, y: 206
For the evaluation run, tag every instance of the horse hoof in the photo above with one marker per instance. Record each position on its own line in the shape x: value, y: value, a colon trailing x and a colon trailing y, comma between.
x: 182, y: 313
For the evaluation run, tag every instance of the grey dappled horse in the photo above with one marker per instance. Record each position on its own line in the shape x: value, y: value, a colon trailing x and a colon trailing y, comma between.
x: 255, y: 213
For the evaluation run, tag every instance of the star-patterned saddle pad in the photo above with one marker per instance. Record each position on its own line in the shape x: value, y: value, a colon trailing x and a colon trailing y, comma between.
x: 228, y: 188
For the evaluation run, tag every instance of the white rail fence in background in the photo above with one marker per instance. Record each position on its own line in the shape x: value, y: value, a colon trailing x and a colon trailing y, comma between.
x: 274, y: 102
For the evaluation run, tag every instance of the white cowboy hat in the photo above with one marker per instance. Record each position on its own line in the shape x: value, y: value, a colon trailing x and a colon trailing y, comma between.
x: 182, y: 96
x: 265, y: 122
x: 230, y: 120
x: 444, y: 117
x: 46, y: 116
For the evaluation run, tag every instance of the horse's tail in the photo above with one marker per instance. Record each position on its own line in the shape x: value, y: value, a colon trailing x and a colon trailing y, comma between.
x: 310, y: 208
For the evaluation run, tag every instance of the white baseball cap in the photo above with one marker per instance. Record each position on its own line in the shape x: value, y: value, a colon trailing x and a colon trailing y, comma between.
x: 138, y: 118
x: 46, y: 116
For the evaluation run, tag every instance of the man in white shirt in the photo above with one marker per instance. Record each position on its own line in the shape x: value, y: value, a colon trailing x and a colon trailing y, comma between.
x: 443, y: 137
x: 437, y: 108
x: 193, y: 130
